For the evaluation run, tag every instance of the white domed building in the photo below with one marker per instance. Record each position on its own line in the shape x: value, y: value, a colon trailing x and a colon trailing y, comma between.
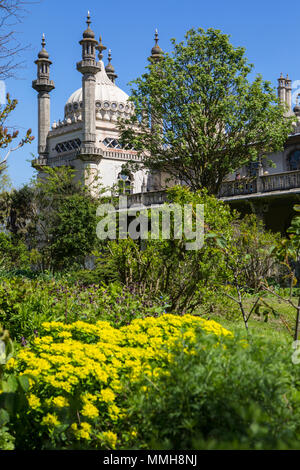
x: 87, y: 139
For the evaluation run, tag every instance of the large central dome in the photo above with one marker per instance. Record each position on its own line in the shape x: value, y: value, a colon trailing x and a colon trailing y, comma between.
x: 110, y: 100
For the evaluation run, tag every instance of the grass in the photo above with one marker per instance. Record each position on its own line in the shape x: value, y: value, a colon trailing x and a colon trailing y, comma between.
x: 278, y: 324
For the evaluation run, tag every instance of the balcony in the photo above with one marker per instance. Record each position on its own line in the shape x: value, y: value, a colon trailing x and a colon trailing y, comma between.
x: 288, y: 181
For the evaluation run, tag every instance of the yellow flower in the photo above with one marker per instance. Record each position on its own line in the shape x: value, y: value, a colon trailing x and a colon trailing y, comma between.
x: 10, y: 363
x: 107, y: 395
x: 34, y: 401
x: 90, y: 411
x: 60, y: 402
x: 109, y: 439
x: 50, y: 420
x: 83, y: 431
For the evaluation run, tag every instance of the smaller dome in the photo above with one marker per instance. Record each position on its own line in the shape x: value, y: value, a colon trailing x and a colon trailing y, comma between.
x: 109, y: 68
x: 88, y: 34
x: 43, y: 54
x: 297, y: 110
x: 156, y: 50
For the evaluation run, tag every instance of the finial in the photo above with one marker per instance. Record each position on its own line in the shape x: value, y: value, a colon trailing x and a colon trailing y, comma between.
x: 156, y: 51
x: 109, y: 69
x: 88, y: 21
x: 100, y: 48
x: 43, y: 54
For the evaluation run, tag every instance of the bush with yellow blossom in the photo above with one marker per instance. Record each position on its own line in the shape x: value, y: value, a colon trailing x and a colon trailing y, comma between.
x: 79, y: 375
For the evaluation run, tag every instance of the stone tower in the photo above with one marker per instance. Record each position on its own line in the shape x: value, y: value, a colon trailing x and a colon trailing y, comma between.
x: 281, y: 89
x: 43, y: 85
x: 89, y: 68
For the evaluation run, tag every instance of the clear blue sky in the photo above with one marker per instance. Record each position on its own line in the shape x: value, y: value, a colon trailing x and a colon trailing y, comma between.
x: 269, y: 30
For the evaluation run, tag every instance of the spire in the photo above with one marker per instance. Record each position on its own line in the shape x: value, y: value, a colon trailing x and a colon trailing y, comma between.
x: 88, y: 21
x: 43, y: 54
x: 109, y: 69
x: 156, y: 51
x: 43, y: 68
x: 88, y: 43
x: 88, y: 33
x: 100, y: 48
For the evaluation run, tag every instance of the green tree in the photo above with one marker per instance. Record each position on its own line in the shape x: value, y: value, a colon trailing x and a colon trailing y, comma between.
x: 6, y: 137
x: 55, y: 216
x: 206, y: 118
x: 63, y: 229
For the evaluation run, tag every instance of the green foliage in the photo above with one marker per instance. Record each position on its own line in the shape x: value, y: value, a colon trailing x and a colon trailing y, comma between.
x: 165, y: 267
x: 13, y: 255
x: 207, y: 119
x: 228, y: 394
x: 6, y: 137
x: 25, y: 304
x: 55, y: 216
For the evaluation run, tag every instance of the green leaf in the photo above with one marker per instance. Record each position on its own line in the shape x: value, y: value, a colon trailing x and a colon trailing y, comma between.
x: 4, y: 417
x: 11, y: 385
x: 24, y: 382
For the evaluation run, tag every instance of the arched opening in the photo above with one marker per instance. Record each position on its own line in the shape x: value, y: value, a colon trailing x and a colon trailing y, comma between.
x: 293, y: 160
x: 125, y: 182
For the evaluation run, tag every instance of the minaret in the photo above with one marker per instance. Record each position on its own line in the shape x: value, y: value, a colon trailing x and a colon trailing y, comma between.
x: 156, y: 122
x: 43, y: 85
x: 109, y: 69
x: 288, y: 92
x: 89, y: 68
x: 155, y: 58
x: 281, y: 89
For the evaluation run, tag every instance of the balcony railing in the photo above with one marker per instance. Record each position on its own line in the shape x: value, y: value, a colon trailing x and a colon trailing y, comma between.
x: 261, y: 184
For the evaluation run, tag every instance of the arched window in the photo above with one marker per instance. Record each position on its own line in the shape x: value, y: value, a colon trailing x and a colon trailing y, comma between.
x: 125, y: 182
x: 293, y: 160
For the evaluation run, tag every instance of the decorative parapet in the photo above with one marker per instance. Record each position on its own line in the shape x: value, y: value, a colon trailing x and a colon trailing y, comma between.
x: 262, y: 184
x: 38, y: 163
x: 151, y: 198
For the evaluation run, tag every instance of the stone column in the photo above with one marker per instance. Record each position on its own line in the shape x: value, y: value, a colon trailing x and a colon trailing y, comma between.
x: 44, y: 121
x: 288, y: 93
x: 43, y: 85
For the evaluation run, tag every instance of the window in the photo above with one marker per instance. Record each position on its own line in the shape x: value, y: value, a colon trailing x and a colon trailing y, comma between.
x: 68, y: 146
x: 125, y: 183
x: 111, y: 143
x: 115, y: 144
x: 294, y: 160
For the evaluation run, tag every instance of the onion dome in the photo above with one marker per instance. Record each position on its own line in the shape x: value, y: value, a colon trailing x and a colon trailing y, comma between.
x: 88, y: 33
x: 109, y: 69
x: 43, y: 54
x: 156, y: 51
x: 297, y: 107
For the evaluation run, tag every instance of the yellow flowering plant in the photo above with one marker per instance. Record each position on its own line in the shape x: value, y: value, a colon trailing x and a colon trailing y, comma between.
x: 78, y: 374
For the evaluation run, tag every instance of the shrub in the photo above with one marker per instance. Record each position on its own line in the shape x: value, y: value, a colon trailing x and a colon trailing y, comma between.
x: 25, y: 304
x: 78, y: 392
x: 221, y: 396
